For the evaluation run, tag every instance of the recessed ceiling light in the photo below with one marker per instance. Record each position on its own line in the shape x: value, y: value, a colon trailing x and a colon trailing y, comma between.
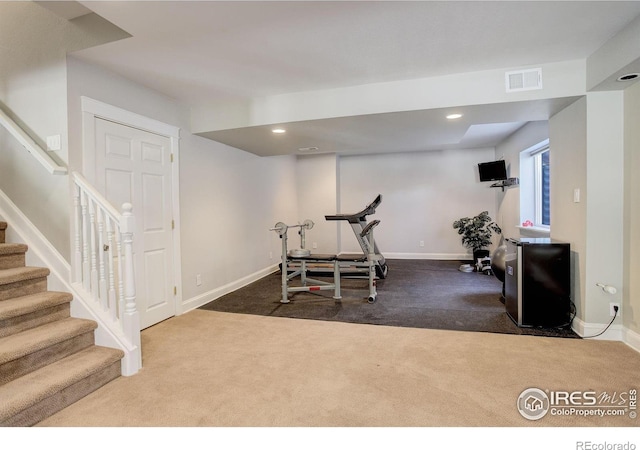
x: 279, y: 130
x: 454, y: 116
x: 628, y: 76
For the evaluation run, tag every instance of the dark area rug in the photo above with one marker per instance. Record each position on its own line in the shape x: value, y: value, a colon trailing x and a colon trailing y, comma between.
x: 416, y: 293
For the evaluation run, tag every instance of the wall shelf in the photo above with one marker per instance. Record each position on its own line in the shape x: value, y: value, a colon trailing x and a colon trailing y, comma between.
x: 506, y: 183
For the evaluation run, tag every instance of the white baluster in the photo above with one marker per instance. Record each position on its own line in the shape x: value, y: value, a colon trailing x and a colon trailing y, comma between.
x: 77, y: 255
x: 86, y: 280
x: 94, y: 251
x: 102, y: 281
x: 102, y: 232
x: 120, y: 276
x: 113, y: 306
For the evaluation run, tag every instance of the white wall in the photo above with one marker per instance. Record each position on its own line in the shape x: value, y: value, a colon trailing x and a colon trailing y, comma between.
x: 587, y: 140
x: 42, y: 197
x: 631, y: 263
x: 605, y: 186
x: 589, y: 152
x: 317, y: 189
x: 561, y: 79
x: 33, y: 89
x: 618, y: 56
x: 508, y: 216
x: 568, y: 141
x: 423, y: 193
x: 228, y: 198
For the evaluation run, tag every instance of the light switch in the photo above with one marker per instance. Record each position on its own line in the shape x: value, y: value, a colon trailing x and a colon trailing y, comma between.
x: 576, y: 195
x: 53, y: 142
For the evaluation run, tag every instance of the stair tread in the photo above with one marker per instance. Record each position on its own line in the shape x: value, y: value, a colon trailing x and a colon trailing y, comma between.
x: 29, y: 341
x: 36, y: 386
x: 59, y: 382
x: 26, y: 304
x: 16, y: 274
x: 12, y: 249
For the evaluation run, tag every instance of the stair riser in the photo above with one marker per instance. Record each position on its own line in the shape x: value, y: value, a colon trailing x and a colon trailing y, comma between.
x: 39, y: 384
x: 29, y: 363
x: 34, y: 319
x: 20, y: 288
x: 11, y: 261
x: 63, y: 398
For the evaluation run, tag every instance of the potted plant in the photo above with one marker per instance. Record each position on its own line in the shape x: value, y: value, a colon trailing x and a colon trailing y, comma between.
x: 476, y: 233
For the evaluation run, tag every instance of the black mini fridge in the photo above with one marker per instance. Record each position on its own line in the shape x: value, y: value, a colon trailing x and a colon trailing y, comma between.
x: 537, y: 282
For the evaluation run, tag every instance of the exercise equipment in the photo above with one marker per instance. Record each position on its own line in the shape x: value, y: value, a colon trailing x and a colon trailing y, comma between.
x: 358, y: 222
x: 282, y: 229
x: 499, y: 265
x: 498, y: 261
x: 301, y: 262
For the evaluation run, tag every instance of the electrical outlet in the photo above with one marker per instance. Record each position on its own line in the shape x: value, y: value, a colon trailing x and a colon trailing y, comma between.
x: 315, y: 245
x: 612, y: 311
x: 421, y: 243
x: 270, y: 255
x: 198, y: 280
x: 54, y: 142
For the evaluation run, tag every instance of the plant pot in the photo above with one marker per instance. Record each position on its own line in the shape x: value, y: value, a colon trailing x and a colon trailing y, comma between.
x: 482, y: 253
x: 478, y: 260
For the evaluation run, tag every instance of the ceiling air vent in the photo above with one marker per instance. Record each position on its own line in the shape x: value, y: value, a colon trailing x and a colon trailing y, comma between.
x: 523, y: 80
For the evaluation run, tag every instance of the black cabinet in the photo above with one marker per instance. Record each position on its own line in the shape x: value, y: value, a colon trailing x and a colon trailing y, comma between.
x: 537, y: 282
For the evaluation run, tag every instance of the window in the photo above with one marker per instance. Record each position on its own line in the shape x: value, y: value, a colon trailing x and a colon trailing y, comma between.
x: 535, y: 184
x: 541, y: 182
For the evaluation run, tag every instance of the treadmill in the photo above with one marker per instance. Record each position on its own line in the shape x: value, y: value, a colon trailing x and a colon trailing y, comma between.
x: 358, y: 222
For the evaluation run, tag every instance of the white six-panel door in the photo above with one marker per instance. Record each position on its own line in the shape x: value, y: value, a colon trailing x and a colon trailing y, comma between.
x: 134, y: 166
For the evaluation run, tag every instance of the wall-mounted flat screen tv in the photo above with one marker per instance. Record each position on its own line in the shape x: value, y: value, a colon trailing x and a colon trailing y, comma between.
x: 493, y: 171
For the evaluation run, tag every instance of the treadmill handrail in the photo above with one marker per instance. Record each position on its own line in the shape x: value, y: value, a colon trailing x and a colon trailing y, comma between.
x: 370, y: 209
x: 370, y: 226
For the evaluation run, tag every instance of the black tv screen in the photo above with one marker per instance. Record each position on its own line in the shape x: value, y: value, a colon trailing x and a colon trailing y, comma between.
x: 492, y: 171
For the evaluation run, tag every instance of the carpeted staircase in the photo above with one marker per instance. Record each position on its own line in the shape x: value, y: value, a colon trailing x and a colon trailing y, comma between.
x: 48, y: 359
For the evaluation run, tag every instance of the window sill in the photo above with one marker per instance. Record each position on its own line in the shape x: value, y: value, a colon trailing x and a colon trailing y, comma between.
x: 534, y: 231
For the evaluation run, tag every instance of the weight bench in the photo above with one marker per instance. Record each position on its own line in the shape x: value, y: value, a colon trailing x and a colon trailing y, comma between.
x: 295, y: 263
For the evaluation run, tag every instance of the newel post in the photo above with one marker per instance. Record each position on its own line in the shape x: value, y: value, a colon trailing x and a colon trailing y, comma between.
x: 131, y: 317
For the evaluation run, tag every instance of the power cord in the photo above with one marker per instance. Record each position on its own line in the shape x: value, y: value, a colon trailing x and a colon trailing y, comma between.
x: 615, y: 314
x: 573, y: 312
x: 560, y: 328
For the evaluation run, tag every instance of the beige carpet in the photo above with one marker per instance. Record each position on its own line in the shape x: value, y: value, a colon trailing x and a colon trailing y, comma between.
x: 211, y: 369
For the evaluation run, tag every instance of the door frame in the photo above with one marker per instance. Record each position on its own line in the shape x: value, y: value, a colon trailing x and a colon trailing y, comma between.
x: 92, y: 109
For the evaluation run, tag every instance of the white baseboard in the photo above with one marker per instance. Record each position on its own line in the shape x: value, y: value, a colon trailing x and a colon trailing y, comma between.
x: 592, y: 330
x: 632, y: 339
x: 203, y: 299
x: 615, y: 332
